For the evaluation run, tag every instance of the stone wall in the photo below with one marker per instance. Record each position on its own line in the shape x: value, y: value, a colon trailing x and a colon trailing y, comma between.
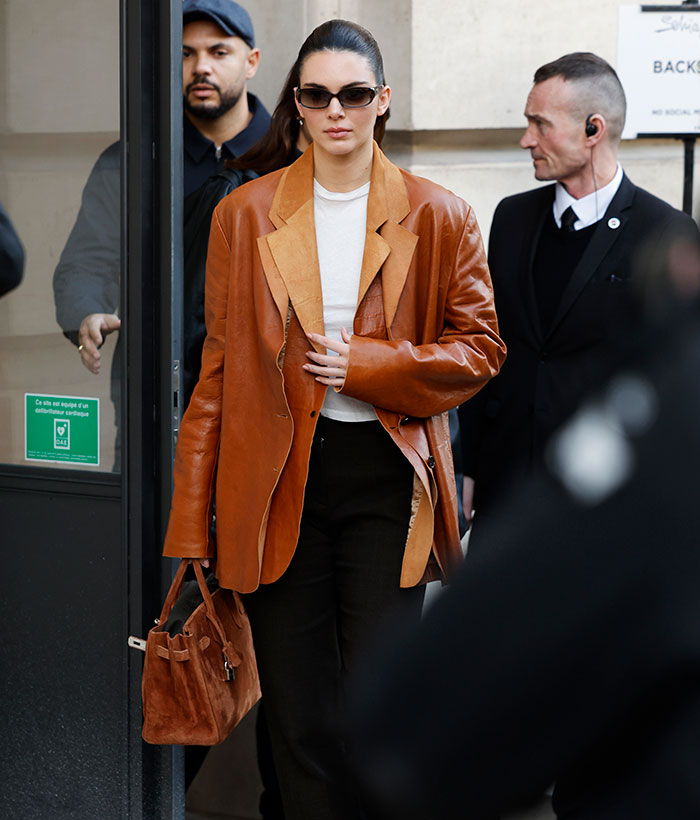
x: 460, y: 71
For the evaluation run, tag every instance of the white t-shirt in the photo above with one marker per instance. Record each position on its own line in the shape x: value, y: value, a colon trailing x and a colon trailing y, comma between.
x: 341, y: 226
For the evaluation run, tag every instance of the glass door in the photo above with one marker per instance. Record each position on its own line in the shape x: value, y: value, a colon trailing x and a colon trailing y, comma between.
x: 60, y: 185
x: 90, y: 181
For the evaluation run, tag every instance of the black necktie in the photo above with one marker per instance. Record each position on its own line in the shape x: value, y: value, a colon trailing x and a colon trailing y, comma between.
x: 568, y: 220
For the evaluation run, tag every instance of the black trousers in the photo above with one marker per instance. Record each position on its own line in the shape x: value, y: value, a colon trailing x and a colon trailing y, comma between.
x: 311, y: 625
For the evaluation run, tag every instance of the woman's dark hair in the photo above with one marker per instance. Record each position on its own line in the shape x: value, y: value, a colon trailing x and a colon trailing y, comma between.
x: 344, y: 35
x: 276, y: 148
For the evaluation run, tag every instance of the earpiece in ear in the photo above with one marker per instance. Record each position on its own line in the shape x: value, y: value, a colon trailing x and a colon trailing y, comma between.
x: 591, y: 127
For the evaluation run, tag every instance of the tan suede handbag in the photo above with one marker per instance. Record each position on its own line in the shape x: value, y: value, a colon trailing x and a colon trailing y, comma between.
x: 197, y: 685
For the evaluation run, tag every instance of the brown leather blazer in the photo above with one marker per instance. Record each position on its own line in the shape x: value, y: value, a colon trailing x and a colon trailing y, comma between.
x: 425, y: 339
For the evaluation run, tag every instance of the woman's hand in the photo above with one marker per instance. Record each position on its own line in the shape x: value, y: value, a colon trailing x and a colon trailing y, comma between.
x: 329, y: 370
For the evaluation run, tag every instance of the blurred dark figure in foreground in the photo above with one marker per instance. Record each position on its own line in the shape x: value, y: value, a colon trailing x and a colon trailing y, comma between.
x: 11, y: 255
x: 569, y: 651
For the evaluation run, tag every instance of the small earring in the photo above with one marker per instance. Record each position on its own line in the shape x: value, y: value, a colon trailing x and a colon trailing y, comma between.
x: 300, y: 120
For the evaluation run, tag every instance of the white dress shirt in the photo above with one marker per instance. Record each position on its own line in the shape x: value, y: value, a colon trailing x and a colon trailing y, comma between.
x: 590, y: 208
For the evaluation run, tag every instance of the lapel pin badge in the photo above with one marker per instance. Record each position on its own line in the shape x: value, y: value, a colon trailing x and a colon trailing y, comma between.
x: 613, y: 223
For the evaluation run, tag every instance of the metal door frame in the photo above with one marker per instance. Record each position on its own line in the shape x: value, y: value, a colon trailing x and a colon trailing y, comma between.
x: 152, y: 292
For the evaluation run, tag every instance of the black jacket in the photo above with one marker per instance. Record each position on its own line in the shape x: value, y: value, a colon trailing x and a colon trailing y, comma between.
x: 505, y: 427
x: 11, y: 255
x: 198, y: 210
x: 87, y: 277
x: 567, y: 652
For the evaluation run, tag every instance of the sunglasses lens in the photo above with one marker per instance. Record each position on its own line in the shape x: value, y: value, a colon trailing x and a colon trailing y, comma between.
x: 313, y: 97
x: 356, y: 97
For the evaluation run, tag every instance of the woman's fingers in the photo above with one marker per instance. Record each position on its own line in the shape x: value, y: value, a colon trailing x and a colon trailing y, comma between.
x: 326, y: 361
x: 342, y: 348
x: 331, y: 382
x: 327, y: 369
x: 203, y: 561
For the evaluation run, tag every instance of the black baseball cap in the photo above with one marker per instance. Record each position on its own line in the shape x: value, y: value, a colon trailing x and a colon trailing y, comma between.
x: 229, y: 16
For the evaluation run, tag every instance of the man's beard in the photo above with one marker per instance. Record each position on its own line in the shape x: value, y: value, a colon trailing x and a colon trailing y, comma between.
x: 227, y: 100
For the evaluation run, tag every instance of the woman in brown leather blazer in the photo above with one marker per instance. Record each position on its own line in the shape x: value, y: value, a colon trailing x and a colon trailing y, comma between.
x: 348, y: 307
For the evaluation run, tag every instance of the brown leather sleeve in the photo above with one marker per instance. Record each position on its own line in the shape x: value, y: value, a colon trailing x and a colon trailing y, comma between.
x: 188, y: 532
x: 425, y: 379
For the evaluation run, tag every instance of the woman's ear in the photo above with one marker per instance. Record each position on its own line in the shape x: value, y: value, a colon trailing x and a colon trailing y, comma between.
x: 384, y: 100
x: 300, y: 109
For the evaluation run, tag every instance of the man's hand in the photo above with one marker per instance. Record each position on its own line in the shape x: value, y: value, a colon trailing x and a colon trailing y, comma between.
x: 91, y: 335
x: 329, y: 370
x: 468, y: 498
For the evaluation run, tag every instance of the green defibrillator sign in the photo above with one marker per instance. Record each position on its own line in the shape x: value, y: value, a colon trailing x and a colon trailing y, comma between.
x: 61, y: 428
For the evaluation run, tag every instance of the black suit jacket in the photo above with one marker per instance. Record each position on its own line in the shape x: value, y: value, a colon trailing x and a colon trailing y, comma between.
x: 506, y: 426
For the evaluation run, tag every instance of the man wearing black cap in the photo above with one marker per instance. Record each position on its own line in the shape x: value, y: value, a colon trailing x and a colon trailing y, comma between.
x: 222, y: 120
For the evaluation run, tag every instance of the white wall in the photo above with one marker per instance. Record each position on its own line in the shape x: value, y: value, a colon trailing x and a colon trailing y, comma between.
x: 473, y: 61
x: 61, y: 71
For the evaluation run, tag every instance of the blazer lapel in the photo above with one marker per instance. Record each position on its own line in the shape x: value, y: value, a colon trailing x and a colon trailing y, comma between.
x: 604, y: 237
x: 290, y: 258
x: 376, y: 251
x: 291, y: 254
x: 388, y: 246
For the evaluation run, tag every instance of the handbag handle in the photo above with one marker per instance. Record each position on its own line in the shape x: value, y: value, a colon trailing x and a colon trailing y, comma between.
x: 174, y: 591
x: 231, y: 657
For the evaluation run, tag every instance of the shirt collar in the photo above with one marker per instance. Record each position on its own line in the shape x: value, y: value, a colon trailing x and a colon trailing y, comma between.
x: 197, y: 145
x: 590, y: 208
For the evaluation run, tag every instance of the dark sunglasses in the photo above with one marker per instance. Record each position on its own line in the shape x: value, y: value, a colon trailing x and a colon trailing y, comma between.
x: 358, y: 96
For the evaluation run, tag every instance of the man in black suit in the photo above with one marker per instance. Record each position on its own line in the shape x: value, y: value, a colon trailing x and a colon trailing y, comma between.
x: 560, y: 258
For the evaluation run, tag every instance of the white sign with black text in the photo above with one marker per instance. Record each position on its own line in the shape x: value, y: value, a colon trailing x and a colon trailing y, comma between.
x: 658, y: 62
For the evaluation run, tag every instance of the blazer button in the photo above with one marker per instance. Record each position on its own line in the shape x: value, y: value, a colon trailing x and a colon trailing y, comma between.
x: 313, y: 413
x: 430, y: 462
